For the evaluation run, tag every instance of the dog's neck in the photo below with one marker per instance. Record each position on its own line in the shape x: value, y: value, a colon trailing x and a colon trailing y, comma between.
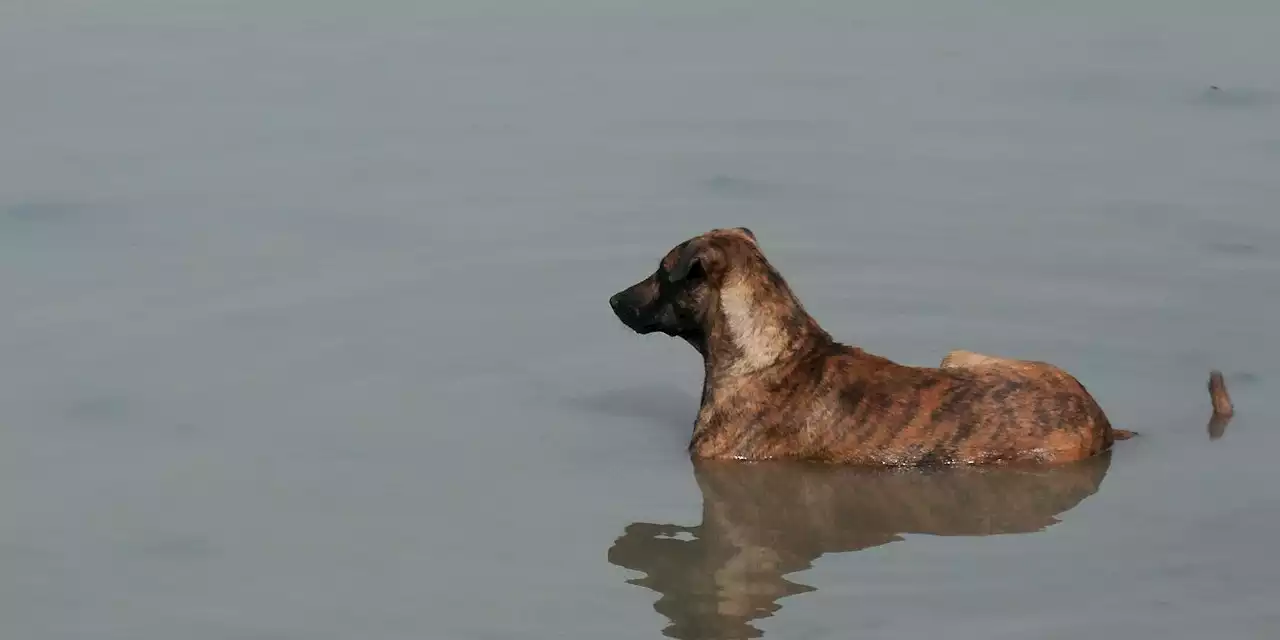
x: 755, y: 327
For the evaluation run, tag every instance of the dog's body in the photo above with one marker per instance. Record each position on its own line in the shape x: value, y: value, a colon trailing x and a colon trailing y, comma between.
x: 778, y: 386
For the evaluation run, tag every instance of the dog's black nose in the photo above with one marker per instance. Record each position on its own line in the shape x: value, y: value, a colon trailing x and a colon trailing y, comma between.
x: 614, y: 299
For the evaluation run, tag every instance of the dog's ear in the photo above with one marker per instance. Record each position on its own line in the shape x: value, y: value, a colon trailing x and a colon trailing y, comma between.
x: 697, y: 256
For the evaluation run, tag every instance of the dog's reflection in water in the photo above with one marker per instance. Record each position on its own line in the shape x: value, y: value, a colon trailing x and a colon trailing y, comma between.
x: 762, y: 521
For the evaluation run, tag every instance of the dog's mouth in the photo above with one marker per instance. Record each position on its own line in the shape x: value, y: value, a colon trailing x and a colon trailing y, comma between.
x: 639, y: 326
x: 630, y: 316
x: 643, y: 322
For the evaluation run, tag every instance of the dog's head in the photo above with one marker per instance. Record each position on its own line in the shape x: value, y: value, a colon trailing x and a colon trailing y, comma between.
x: 676, y: 299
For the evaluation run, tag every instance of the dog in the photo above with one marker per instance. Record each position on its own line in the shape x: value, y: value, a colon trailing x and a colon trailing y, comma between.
x: 778, y: 386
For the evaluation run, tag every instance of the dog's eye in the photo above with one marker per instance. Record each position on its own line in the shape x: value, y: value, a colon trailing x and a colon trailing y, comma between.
x: 696, y: 272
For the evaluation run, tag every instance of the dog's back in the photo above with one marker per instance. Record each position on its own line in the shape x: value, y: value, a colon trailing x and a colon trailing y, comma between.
x: 980, y: 410
x: 849, y: 406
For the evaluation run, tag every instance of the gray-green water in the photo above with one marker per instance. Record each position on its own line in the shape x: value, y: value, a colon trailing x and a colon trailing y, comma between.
x: 305, y: 334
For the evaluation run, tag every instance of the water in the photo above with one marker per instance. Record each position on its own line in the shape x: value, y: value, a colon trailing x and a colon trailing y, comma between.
x: 306, y: 334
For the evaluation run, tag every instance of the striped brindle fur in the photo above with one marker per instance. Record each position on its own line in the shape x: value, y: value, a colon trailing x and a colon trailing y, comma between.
x: 776, y: 385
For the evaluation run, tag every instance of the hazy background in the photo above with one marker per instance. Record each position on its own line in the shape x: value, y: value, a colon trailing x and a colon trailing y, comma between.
x: 305, y: 333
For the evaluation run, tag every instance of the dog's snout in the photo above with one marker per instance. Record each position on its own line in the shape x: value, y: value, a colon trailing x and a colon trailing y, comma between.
x: 621, y: 306
x: 637, y: 309
x: 624, y: 307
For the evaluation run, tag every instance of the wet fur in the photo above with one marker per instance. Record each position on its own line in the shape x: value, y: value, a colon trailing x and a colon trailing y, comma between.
x: 777, y: 386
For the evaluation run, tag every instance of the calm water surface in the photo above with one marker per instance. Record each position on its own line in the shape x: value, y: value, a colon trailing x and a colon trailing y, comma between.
x: 305, y: 332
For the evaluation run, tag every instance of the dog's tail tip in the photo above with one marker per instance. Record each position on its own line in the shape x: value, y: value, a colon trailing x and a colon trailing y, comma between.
x: 1222, y: 405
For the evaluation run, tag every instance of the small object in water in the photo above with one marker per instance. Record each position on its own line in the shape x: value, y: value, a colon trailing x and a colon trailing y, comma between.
x: 1222, y: 407
x: 1218, y: 393
x: 1214, y: 87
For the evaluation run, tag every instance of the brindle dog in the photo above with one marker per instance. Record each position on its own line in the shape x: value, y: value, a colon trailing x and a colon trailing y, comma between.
x: 777, y: 385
